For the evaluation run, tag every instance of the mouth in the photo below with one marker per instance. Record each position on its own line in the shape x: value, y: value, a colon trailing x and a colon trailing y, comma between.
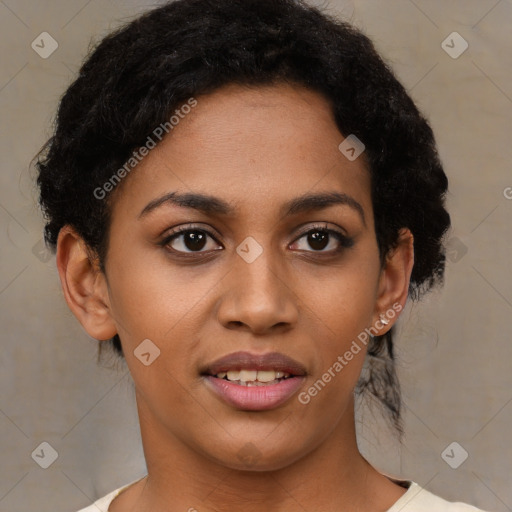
x: 254, y: 381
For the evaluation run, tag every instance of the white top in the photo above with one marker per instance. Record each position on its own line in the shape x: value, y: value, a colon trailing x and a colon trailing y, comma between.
x: 416, y: 499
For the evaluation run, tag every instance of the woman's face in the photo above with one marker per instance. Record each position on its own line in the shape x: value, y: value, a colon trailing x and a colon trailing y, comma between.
x: 254, y: 275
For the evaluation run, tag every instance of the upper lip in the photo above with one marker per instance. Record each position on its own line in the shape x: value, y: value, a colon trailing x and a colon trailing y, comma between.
x: 248, y: 361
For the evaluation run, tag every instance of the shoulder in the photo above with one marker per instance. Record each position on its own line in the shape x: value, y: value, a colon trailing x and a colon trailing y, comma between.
x: 102, y: 504
x: 418, y: 499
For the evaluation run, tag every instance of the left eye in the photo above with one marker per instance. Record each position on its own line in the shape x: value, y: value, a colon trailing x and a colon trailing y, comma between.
x: 320, y: 239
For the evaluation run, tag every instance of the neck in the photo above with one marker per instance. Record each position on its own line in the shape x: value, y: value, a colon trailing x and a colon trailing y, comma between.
x: 333, y: 476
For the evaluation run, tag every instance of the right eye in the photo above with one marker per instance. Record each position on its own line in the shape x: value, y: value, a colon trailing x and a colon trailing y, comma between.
x: 188, y: 240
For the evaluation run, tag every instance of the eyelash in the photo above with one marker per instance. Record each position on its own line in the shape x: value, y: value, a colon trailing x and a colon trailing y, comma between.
x: 344, y: 241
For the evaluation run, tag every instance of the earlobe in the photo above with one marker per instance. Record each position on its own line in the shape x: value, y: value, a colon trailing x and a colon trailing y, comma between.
x: 394, y: 282
x: 84, y: 285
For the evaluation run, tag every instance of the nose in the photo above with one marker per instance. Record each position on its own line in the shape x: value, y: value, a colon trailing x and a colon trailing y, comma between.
x: 258, y: 297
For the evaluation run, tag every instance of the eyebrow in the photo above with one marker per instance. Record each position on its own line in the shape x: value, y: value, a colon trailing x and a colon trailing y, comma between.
x: 215, y: 206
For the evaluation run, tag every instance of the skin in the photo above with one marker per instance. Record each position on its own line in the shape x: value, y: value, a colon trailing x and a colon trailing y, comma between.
x: 255, y: 148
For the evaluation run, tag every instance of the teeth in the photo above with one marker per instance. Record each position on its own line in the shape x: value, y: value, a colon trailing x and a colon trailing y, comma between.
x: 253, y: 377
x: 233, y: 375
x: 267, y: 375
x: 247, y: 375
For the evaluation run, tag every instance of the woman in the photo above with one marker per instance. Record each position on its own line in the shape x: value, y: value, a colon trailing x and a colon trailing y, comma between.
x: 242, y: 197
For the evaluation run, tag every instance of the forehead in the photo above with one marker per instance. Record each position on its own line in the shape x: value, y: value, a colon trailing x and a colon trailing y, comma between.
x: 256, y: 147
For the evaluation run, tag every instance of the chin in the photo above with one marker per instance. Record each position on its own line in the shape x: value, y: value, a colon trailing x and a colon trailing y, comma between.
x: 258, y: 457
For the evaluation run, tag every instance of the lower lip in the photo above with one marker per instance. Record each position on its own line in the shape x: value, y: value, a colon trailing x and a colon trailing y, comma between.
x: 255, y: 398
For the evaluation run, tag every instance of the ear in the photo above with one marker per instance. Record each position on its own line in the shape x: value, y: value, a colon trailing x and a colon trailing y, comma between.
x: 394, y: 281
x: 84, y: 285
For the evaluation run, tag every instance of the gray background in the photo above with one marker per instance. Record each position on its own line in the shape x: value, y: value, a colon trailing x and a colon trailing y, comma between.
x: 454, y: 348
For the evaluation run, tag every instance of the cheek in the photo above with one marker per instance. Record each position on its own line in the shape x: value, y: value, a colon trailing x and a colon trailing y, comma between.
x: 343, y: 307
x: 344, y: 297
x: 340, y: 350
x: 150, y: 299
